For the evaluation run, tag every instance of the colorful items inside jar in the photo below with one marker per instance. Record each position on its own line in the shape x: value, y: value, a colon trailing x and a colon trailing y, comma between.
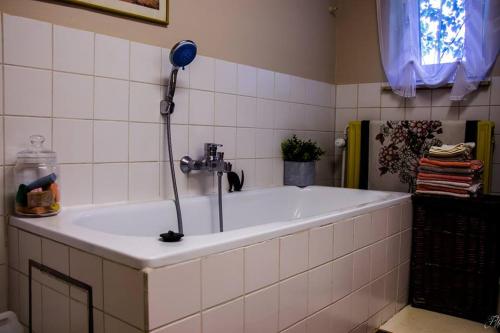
x: 40, y: 197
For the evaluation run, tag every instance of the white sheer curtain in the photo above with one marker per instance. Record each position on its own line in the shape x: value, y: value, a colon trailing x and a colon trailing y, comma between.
x: 399, y: 38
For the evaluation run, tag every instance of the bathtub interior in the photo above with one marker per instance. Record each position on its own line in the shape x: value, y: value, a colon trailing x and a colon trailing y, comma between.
x: 241, y: 210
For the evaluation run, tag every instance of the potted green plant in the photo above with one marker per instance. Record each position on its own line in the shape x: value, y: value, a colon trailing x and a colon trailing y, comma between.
x: 300, y: 158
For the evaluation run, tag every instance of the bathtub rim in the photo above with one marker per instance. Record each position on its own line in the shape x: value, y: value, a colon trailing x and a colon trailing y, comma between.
x: 190, y: 248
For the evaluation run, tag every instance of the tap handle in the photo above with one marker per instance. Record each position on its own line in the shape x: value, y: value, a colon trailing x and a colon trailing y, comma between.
x: 211, y: 149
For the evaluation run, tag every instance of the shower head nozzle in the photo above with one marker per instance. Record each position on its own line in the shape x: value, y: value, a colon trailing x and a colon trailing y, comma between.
x: 183, y: 53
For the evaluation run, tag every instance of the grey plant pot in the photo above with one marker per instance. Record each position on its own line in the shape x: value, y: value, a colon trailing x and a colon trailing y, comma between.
x: 299, y: 174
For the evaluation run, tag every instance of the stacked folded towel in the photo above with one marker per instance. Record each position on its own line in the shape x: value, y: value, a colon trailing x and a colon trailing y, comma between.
x: 449, y: 170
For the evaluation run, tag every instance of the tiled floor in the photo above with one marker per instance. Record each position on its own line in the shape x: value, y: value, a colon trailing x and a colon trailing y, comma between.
x: 413, y: 320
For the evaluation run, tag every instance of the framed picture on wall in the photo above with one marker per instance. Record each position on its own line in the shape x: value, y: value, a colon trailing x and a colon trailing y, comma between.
x: 149, y: 10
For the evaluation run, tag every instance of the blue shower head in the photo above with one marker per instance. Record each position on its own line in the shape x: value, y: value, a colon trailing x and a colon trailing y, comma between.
x: 183, y: 53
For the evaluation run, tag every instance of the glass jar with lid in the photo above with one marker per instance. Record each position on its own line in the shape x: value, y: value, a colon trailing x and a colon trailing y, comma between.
x: 36, y: 177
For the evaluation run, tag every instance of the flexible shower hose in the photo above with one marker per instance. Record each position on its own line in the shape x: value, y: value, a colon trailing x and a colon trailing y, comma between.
x: 172, y: 172
x: 219, y: 189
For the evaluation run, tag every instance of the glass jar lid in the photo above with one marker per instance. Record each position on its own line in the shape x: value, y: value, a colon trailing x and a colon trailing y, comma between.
x: 36, y: 152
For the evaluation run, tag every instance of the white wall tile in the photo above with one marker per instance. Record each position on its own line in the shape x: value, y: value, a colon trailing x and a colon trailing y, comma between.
x: 181, y: 111
x: 393, y: 248
x: 113, y: 325
x: 226, y: 136
x: 30, y: 247
x: 128, y: 306
x: 394, y: 219
x: 225, y: 318
x: 188, y: 325
x: 222, y: 277
x: 27, y: 42
x: 474, y: 113
x: 423, y: 98
x: 320, y: 245
x: 112, y: 57
x: 144, y: 181
x: 420, y: 113
x: 201, y: 107
x: 261, y: 265
x: 481, y: 96
x: 198, y: 136
x: 293, y: 300
x: 17, y: 133
x: 495, y: 116
x: 441, y: 97
x: 265, y: 83
x: 180, y: 144
x: 495, y: 90
x: 392, y: 114
x: 73, y: 50
x: 343, y: 117
x: 181, y: 282
x: 293, y: 254
x: 264, y: 172
x: 320, y: 322
x: 361, y: 268
x: 72, y: 140
x: 73, y: 95
x: 368, y: 114
x: 245, y: 143
x: 389, y: 99
x: 248, y: 166
x: 86, y: 268
x: 202, y: 73
x: 405, y: 251
x: 226, y: 77
x: 225, y: 110
x: 263, y: 143
x: 76, y: 184
x: 55, y: 309
x: 144, y: 142
x: 297, y: 89
x: 28, y: 91
x: 247, y: 80
x: 246, y: 111
x: 145, y: 102
x: 368, y: 95
x: 343, y: 238
x: 282, y: 86
x: 110, y: 141
x: 110, y: 182
x: 319, y: 287
x: 265, y: 113
x: 378, y: 256
x: 145, y: 63
x: 261, y: 310
x: 379, y: 224
x: 445, y: 113
x: 342, y: 277
x: 111, y: 99
x: 300, y: 327
x: 347, y: 96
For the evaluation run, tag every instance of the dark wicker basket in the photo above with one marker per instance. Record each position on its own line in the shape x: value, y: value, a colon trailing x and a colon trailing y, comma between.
x: 454, y: 263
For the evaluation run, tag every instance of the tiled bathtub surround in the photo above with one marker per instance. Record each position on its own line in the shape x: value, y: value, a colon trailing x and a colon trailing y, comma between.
x: 348, y: 276
x: 367, y: 102
x: 96, y: 100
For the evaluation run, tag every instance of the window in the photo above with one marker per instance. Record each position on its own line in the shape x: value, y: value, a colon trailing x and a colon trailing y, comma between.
x: 442, y: 31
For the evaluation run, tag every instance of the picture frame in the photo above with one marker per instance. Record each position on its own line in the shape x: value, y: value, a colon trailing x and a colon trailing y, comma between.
x: 155, y: 11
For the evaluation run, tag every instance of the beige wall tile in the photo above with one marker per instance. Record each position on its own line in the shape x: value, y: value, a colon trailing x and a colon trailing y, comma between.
x: 293, y: 300
x: 261, y: 265
x: 320, y: 245
x: 124, y: 293
x: 226, y: 318
x: 174, y: 292
x: 261, y: 310
x: 293, y: 254
x: 87, y: 268
x: 222, y: 277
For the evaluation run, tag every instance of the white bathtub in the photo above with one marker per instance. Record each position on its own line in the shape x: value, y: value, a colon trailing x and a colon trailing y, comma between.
x: 128, y: 233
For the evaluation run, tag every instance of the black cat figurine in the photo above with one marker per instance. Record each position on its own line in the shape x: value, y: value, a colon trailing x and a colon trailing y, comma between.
x: 234, y: 181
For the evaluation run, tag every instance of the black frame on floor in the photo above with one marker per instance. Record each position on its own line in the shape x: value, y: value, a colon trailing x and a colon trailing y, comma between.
x: 68, y: 279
